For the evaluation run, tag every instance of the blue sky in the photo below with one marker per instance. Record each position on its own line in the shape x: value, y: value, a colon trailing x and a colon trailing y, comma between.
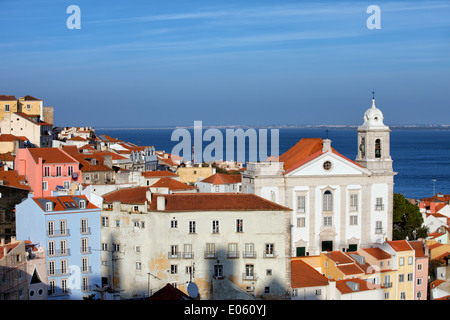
x: 164, y: 63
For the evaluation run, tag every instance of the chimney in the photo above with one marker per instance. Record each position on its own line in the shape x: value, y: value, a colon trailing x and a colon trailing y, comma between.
x: 161, y: 203
x: 326, y: 145
x: 107, y: 160
x: 148, y: 195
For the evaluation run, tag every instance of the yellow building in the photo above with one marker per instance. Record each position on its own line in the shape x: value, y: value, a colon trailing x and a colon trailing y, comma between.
x: 192, y: 174
x: 8, y: 104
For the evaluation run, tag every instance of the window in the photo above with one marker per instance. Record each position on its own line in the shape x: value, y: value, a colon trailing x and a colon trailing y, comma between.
x: 410, y: 277
x: 301, y: 222
x: 63, y: 247
x: 69, y: 170
x: 84, y: 245
x: 135, y: 208
x: 419, y: 266
x: 191, y: 226
x: 173, y: 269
x: 187, y: 254
x: 174, y: 251
x: 379, y: 206
x: 51, y: 267
x: 327, y: 221
x: 52, y: 287
x: 64, y: 268
x: 249, y: 272
x: 85, y: 284
x: 51, y: 228
x: 266, y: 289
x: 64, y: 287
x: 327, y: 201
x: 353, y: 202
x: 269, y: 250
x: 318, y: 292
x: 82, y: 204
x: 301, y: 204
x: 378, y: 148
x: 239, y: 225
x: 174, y: 224
x: 249, y: 250
x: 353, y: 220
x: 402, y: 261
x: 58, y: 171
x: 63, y: 226
x: 210, y: 250
x: 232, y: 250
x: 84, y: 226
x: 378, y: 227
x: 410, y: 260
x: 116, y: 247
x: 419, y: 281
x: 327, y: 165
x: 6, y: 107
x: 215, y: 226
x: 46, y: 171
x: 117, y: 223
x: 403, y: 295
x: 104, y: 246
x: 138, y: 265
x: 217, y: 188
x: 401, y: 278
x: 51, y: 248
x: 44, y: 185
x: 105, y: 221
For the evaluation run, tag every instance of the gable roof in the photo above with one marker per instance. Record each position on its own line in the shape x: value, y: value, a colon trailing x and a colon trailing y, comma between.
x: 11, y: 178
x: 169, y: 292
x: 51, y: 155
x: 400, y: 245
x: 304, y: 151
x: 344, y: 286
x: 221, y: 178
x: 172, y: 184
x: 7, y: 98
x: 377, y: 253
x: 303, y: 275
x: 216, y: 202
x: 64, y: 203
x: 134, y: 195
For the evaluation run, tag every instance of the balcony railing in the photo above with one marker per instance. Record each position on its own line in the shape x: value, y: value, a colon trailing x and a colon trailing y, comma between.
x: 188, y: 255
x: 87, y: 269
x: 58, y: 272
x: 379, y: 207
x: 59, y: 253
x: 249, y: 276
x: 58, y: 233
x: 56, y: 292
x: 249, y: 254
x: 387, y: 285
x: 85, y: 250
x: 271, y: 254
x: 378, y: 230
x: 85, y: 230
x: 211, y: 254
x: 174, y: 255
x: 232, y: 254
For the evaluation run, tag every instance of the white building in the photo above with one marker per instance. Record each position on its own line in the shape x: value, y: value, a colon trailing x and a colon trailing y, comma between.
x: 149, y: 240
x: 337, y: 203
x: 220, y: 182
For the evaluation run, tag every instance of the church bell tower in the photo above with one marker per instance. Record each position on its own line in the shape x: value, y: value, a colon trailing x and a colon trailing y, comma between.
x: 374, y: 142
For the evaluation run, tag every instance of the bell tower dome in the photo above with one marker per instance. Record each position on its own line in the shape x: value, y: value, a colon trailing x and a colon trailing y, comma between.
x: 374, y: 141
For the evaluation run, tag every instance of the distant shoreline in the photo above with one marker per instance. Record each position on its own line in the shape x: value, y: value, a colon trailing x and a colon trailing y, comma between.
x: 341, y: 127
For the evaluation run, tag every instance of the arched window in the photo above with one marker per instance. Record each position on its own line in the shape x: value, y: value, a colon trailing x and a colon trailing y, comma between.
x: 378, y: 148
x: 327, y: 201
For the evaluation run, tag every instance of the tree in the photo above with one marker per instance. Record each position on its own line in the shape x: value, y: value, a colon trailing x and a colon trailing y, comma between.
x: 407, y: 220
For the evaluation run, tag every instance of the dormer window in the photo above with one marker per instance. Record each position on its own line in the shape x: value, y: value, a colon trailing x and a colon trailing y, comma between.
x: 48, y: 206
x: 82, y: 204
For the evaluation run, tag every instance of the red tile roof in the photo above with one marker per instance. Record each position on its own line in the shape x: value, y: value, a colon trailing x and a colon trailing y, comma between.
x: 172, y: 184
x: 7, y: 98
x: 339, y: 257
x: 159, y: 173
x: 400, y: 245
x: 216, y: 202
x: 304, y: 151
x: 135, y: 195
x: 303, y: 275
x: 169, y: 292
x: 51, y: 155
x: 221, y: 178
x: 59, y: 202
x: 418, y: 247
x: 377, y: 253
x: 11, y: 178
x: 344, y: 288
x: 9, y: 247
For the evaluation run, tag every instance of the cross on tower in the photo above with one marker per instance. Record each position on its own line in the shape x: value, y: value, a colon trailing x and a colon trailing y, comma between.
x: 373, y: 95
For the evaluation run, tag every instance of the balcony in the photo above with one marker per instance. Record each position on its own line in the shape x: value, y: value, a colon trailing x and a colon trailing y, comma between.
x: 87, y: 269
x: 232, y: 254
x: 387, y: 285
x: 378, y: 230
x: 249, y: 254
x: 58, y: 272
x: 269, y: 254
x: 174, y: 255
x: 58, y: 253
x: 188, y: 255
x: 249, y: 276
x: 58, y: 292
x: 85, y: 250
x: 211, y: 254
x: 58, y: 233
x: 85, y: 230
x: 379, y: 207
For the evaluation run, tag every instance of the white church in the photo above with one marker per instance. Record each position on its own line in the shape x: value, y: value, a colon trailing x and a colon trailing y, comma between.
x: 337, y: 203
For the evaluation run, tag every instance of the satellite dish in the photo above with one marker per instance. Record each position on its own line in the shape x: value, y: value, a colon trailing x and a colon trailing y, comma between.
x: 192, y: 290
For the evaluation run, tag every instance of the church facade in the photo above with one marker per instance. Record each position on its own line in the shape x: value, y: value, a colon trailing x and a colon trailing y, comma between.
x: 337, y: 203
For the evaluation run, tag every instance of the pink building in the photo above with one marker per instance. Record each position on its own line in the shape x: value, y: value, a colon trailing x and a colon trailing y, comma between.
x: 421, y: 269
x: 47, y: 169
